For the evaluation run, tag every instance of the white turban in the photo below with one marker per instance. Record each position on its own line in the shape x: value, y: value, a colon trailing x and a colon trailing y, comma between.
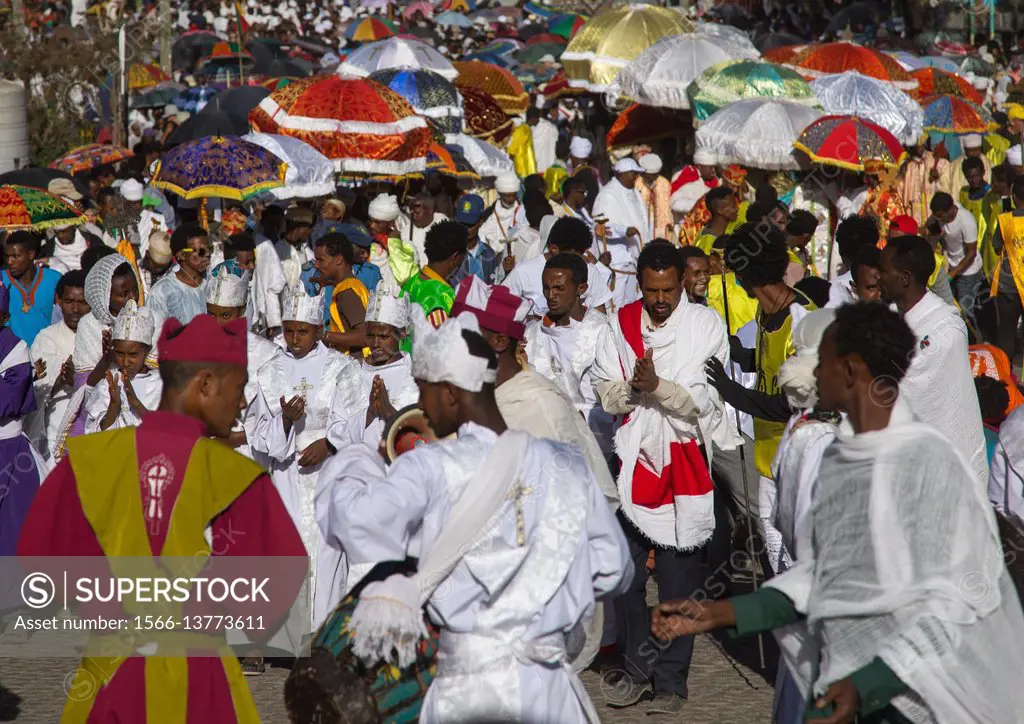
x: 651, y: 163
x: 386, y: 308
x: 442, y: 355
x: 580, y: 147
x: 228, y: 290
x: 507, y: 183
x: 97, y: 286
x: 384, y: 208
x: 972, y: 140
x: 704, y: 158
x: 134, y: 324
x: 1015, y: 155
x: 300, y: 307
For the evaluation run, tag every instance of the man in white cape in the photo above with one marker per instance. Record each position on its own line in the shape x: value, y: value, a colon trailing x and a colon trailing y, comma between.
x: 513, y: 538
x: 622, y: 209
x: 900, y: 607
x: 496, y: 231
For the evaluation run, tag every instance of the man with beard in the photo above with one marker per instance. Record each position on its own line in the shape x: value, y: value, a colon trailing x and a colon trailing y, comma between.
x: 181, y: 292
x: 414, y: 227
x: 496, y: 231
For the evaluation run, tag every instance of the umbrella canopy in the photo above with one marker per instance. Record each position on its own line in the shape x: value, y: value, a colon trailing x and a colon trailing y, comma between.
x: 534, y: 53
x: 483, y: 117
x: 272, y: 84
x: 773, y: 41
x: 194, y: 99
x: 396, y: 53
x: 290, y: 67
x: 450, y: 161
x: 758, y: 133
x: 832, y: 58
x: 544, y: 38
x: 487, y: 160
x: 661, y: 74
x: 420, y: 7
x: 853, y: 94
x: 362, y: 126
x: 558, y: 87
x: 611, y: 39
x: 937, y: 61
x: 309, y: 173
x: 499, y: 14
x: 190, y: 47
x: 370, y: 29
x: 499, y: 61
x: 459, y: 6
x: 974, y: 64
x: 730, y: 33
x: 496, y: 82
x: 932, y: 81
x: 847, y: 142
x: 502, y: 46
x: 40, y: 178
x: 219, y: 166
x: 91, y: 156
x: 28, y: 208
x: 541, y: 11
x: 237, y: 101
x: 452, y: 19
x: 208, y: 123
x: 953, y: 114
x: 643, y: 124
x: 566, y: 25
x: 735, y: 80
x: 153, y: 98
x: 145, y: 75
x: 229, y: 52
x: 428, y: 93
x: 907, y: 59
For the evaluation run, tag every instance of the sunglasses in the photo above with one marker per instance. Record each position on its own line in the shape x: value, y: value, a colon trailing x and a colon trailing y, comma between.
x: 201, y: 252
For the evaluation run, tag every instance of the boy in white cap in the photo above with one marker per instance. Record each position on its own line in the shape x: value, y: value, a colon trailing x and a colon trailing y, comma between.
x: 496, y: 231
x: 956, y: 179
x: 626, y: 227
x: 656, y: 192
x: 394, y: 257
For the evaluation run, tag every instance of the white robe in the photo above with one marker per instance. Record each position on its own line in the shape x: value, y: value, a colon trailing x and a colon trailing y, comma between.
x: 268, y: 284
x: 545, y: 136
x: 53, y: 345
x: 1006, y: 479
x: 259, y: 351
x: 292, y: 259
x: 402, y: 391
x: 416, y: 236
x: 623, y: 208
x: 171, y: 297
x: 496, y: 231
x: 333, y: 388
x: 511, y: 600
x: 526, y: 280
x: 147, y: 386
x: 939, y: 386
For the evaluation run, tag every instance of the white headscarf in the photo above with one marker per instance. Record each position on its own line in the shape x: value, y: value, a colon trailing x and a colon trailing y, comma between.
x: 97, y: 287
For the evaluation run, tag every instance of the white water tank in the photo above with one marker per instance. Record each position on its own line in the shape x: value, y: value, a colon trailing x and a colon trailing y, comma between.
x: 13, y: 127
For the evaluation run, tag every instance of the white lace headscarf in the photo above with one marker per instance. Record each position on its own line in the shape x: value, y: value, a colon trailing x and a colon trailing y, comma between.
x: 97, y: 286
x: 796, y: 376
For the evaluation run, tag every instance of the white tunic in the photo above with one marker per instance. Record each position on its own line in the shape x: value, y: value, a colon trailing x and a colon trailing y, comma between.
x: 147, y: 386
x: 496, y: 231
x: 527, y: 280
x: 402, y: 391
x: 623, y: 208
x: 518, y: 591
x: 292, y: 259
x: 267, y: 284
x: 417, y: 236
x: 259, y: 351
x: 53, y: 345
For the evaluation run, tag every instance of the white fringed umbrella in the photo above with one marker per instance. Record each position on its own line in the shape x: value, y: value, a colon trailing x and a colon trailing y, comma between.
x: 853, y: 94
x: 310, y: 173
x: 486, y: 160
x: 396, y: 53
x: 758, y: 133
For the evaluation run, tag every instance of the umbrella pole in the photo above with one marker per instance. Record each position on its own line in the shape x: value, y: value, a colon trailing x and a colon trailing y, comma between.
x: 204, y: 217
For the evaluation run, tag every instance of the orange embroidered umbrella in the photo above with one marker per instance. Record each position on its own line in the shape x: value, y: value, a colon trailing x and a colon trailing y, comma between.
x: 145, y: 75
x: 783, y: 54
x: 643, y: 124
x: 496, y: 82
x: 361, y: 125
x: 483, y: 117
x: 815, y: 61
x: 932, y: 81
x: 91, y: 156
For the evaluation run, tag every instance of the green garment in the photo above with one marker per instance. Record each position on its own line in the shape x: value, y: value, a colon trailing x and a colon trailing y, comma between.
x: 402, y: 260
x: 430, y: 294
x: 876, y: 683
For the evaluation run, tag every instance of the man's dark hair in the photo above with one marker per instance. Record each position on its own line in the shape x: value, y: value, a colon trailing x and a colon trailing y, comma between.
x: 941, y: 202
x: 535, y: 183
x: 75, y: 278
x: 691, y: 252
x: 1018, y: 188
x: 175, y: 375
x: 123, y: 270
x: 444, y: 240
x: 766, y: 192
x: 183, y: 235
x: 532, y: 112
x: 758, y: 256
x: 759, y: 210
x: 337, y: 244
x: 973, y: 163
x: 801, y: 222
x: 659, y: 256
x: 878, y: 335
x: 716, y: 196
x: 570, y: 262
x: 242, y: 241
x: 570, y: 234
x: 854, y: 233
x: 573, y: 184
x: 27, y: 239
x: 103, y: 194
x: 993, y: 398
x: 537, y: 207
x: 913, y: 254
x: 93, y: 254
x: 869, y: 256
x: 721, y: 242
x: 1004, y: 173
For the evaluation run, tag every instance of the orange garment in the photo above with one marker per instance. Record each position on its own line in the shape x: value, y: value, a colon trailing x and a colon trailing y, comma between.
x: 658, y: 203
x: 991, y: 361
x: 885, y: 205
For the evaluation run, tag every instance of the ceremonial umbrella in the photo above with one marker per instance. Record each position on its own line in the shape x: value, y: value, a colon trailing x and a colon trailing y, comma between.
x: 730, y: 33
x: 566, y: 25
x: 194, y: 99
x: 758, y: 133
x: 974, y: 64
x: 953, y: 114
x: 558, y: 87
x: 309, y: 173
x: 453, y: 19
x: 483, y: 117
x: 660, y: 75
x: 272, y: 84
x: 932, y: 81
x: 396, y: 53
x: 534, y: 53
x: 853, y: 94
x: 190, y: 47
x: 369, y: 29
x: 546, y: 38
x: 428, y: 93
x: 91, y: 156
x: 496, y: 82
x: 783, y: 54
x: 908, y: 60
x: 208, y: 122
x: 735, y: 80
x: 154, y: 98
x: 25, y: 208
x: 771, y: 41
x: 501, y: 46
x: 487, y: 160
x: 541, y: 11
x: 422, y: 7
x: 937, y: 61
x: 219, y: 166
x: 643, y: 124
x: 450, y: 161
x: 460, y: 6
x: 498, y: 61
x: 145, y: 75
x: 362, y: 126
x: 847, y: 142
x: 831, y: 58
x: 609, y: 40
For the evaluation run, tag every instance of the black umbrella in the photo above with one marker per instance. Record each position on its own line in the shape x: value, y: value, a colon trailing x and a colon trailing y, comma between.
x: 189, y: 48
x: 858, y: 14
x: 203, y: 124
x: 732, y: 14
x: 263, y: 55
x: 290, y: 68
x: 528, y: 31
x: 40, y: 178
x: 777, y: 40
x: 236, y: 101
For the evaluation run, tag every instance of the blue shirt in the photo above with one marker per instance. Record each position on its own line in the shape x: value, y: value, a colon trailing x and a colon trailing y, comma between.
x: 26, y: 325
x: 479, y: 261
x: 367, y: 273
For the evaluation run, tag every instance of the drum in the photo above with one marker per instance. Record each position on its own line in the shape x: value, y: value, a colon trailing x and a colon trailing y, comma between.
x: 407, y: 430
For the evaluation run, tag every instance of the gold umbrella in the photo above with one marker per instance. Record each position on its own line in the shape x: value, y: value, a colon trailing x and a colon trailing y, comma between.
x: 611, y: 39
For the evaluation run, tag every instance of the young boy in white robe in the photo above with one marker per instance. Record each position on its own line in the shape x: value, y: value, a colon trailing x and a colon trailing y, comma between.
x: 302, y: 393
x: 130, y: 388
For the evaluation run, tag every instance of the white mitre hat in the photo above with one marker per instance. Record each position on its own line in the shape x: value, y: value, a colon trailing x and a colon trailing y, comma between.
x: 300, y: 307
x: 442, y: 355
x: 134, y: 324
x: 384, y: 208
x: 228, y: 290
x: 386, y: 308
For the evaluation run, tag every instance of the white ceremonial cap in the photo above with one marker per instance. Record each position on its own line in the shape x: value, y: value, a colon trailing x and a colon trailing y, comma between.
x: 627, y: 164
x: 507, y: 183
x: 132, y: 190
x: 704, y: 158
x: 442, y: 355
x: 134, y: 324
x: 580, y: 147
x: 386, y: 308
x: 1015, y: 155
x: 972, y: 140
x: 227, y: 289
x: 160, y: 247
x: 651, y: 163
x: 384, y: 208
x: 300, y: 307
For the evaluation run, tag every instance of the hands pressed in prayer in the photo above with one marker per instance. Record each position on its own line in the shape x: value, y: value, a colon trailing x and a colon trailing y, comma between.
x: 380, y: 402
x: 114, y: 406
x: 66, y: 377
x: 843, y: 699
x: 292, y: 411
x: 687, y: 616
x: 106, y: 359
x: 508, y: 263
x: 39, y: 370
x: 314, y: 454
x: 645, y: 379
x: 133, y: 400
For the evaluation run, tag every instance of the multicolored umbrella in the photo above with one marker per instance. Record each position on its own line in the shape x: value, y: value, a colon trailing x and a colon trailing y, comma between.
x: 932, y: 81
x: 543, y: 38
x: 566, y: 25
x: 735, y: 80
x: 145, y: 75
x: 953, y: 114
x: 26, y: 208
x: 609, y: 40
x: 219, y: 166
x: 541, y: 11
x: 483, y: 117
x: 450, y: 161
x: 370, y: 29
x: 501, y: 46
x: 228, y: 52
x: 496, y: 82
x: 847, y: 142
x: 643, y: 124
x: 194, y: 99
x: 783, y: 54
x: 428, y: 93
x: 90, y: 156
x: 364, y: 127
x: 396, y: 53
x: 830, y: 58
x: 273, y: 84
x: 937, y: 61
x: 460, y: 6
x: 420, y: 7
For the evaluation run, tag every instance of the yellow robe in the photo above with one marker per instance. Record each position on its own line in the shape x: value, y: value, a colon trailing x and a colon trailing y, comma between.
x: 520, y: 148
x: 742, y: 307
x: 351, y: 285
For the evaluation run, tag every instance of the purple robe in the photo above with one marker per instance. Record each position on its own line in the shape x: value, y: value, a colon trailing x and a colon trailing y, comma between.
x: 19, y: 471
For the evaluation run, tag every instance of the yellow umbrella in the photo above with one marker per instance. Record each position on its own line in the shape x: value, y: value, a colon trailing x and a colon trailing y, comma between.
x: 612, y: 38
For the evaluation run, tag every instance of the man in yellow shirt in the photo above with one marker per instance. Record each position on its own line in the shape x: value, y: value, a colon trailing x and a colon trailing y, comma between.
x: 333, y: 256
x: 722, y: 204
